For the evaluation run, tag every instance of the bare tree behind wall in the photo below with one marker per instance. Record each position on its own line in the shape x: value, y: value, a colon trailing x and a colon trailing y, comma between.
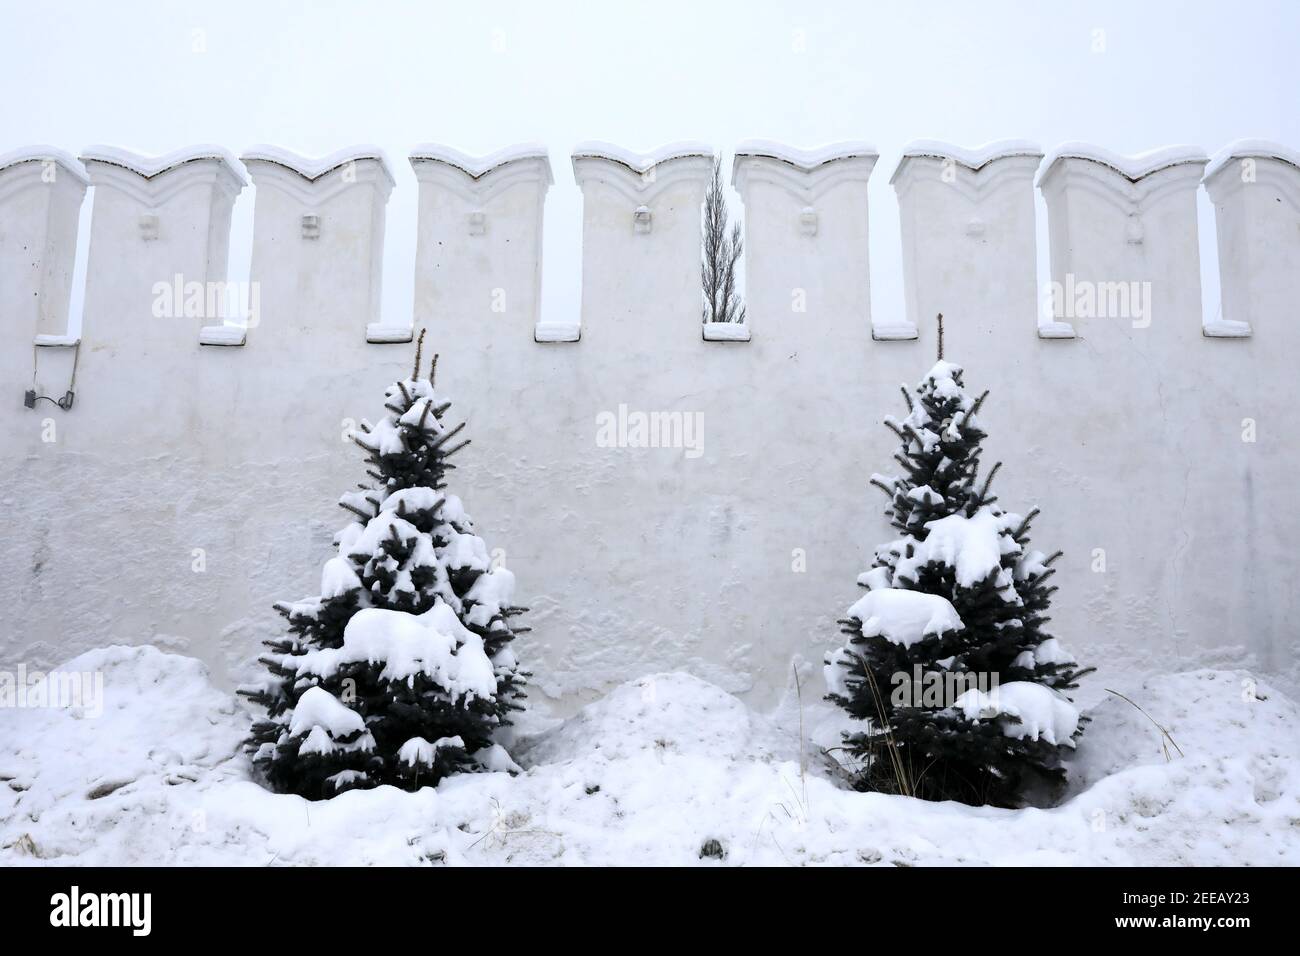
x: 722, y: 249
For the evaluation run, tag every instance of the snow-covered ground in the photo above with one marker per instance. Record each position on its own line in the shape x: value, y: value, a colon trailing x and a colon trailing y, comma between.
x: 646, y: 775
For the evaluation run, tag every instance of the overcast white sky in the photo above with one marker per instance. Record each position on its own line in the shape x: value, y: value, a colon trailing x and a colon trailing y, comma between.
x: 316, y: 76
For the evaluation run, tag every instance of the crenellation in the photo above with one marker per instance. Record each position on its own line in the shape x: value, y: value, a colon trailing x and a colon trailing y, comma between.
x: 318, y: 247
x: 1255, y: 188
x: 968, y: 233
x: 1123, y: 237
x: 641, y: 243
x: 478, y: 255
x: 807, y: 256
x: 159, y: 242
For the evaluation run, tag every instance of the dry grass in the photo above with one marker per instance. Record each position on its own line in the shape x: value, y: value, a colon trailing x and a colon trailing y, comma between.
x: 1164, y: 734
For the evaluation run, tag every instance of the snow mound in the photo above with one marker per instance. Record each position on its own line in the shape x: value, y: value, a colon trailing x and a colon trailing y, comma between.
x: 672, y: 712
x: 645, y: 775
x: 162, y: 724
x: 1248, y: 719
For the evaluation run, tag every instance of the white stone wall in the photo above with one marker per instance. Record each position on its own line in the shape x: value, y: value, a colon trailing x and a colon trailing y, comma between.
x: 193, y: 481
x: 41, y: 192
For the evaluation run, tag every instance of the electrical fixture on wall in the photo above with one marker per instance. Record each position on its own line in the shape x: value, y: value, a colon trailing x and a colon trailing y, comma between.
x: 54, y: 341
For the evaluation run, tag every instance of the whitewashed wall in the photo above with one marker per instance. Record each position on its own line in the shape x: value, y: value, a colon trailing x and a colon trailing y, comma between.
x: 41, y: 192
x: 193, y: 481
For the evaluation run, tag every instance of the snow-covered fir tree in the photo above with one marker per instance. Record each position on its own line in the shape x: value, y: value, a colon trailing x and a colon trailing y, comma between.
x: 401, y: 671
x: 957, y: 606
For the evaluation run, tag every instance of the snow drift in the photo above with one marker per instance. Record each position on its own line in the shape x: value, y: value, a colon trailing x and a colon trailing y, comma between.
x: 645, y: 775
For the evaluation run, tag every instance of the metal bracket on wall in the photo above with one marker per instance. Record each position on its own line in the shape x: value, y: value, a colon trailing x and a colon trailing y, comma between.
x: 30, y: 398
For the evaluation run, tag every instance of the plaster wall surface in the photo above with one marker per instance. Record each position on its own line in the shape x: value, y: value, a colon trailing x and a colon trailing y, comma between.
x: 191, y: 485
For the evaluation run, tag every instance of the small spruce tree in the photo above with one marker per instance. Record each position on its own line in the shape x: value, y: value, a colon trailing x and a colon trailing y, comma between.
x: 958, y: 595
x: 401, y: 670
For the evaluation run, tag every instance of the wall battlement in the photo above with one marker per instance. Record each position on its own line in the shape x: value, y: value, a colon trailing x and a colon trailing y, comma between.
x: 943, y: 191
x: 192, y: 482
